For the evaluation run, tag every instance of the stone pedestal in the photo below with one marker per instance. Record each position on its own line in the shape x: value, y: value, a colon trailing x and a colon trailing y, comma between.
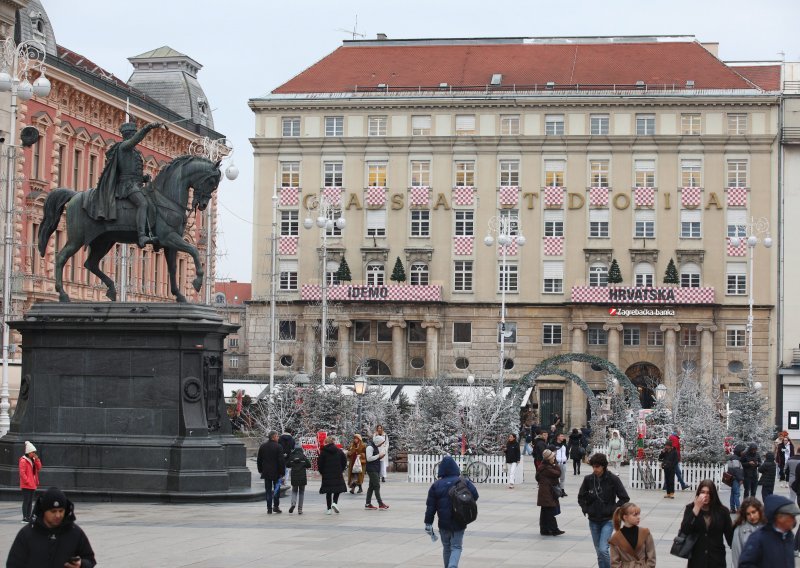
x: 125, y: 398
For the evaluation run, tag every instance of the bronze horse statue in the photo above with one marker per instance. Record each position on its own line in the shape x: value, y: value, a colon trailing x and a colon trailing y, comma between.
x: 168, y: 196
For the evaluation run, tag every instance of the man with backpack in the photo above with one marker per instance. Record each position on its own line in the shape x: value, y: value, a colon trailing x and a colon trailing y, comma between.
x: 453, y: 498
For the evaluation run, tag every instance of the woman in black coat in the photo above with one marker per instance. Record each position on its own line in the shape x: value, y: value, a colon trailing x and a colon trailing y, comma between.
x: 576, y: 450
x: 710, y: 521
x: 332, y: 463
x: 512, y: 458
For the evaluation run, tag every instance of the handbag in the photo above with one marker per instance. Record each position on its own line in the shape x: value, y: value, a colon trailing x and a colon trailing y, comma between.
x: 682, y: 545
x: 357, y: 465
x: 727, y: 478
x: 556, y: 491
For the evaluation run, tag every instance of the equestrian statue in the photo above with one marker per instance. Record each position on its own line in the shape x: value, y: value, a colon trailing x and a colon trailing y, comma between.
x: 127, y: 207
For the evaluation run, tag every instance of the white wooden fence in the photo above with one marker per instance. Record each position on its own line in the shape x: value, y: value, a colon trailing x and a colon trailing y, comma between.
x: 422, y: 468
x: 647, y: 474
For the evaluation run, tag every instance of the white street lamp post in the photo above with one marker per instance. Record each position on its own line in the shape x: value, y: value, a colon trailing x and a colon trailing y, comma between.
x: 17, y: 61
x: 506, y: 227
x: 325, y: 209
x: 360, y: 384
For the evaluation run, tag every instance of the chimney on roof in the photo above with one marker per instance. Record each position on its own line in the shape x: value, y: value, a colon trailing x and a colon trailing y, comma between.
x: 712, y: 48
x: 382, y: 37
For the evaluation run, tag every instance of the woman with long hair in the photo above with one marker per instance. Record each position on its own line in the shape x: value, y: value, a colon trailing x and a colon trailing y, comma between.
x: 355, y: 473
x: 709, y: 521
x: 631, y: 546
x: 750, y: 519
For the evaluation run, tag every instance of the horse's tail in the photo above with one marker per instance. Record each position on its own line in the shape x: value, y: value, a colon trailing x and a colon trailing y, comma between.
x: 53, y: 208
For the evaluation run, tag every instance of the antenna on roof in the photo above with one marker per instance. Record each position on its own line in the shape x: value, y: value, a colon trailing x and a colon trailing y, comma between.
x: 354, y: 32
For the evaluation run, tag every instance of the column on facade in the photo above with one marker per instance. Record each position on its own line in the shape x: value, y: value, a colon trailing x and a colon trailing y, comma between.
x: 613, y: 330
x: 576, y: 411
x: 343, y: 356
x: 706, y: 354
x: 309, y: 345
x: 670, y: 355
x: 397, y: 325
x: 431, y: 328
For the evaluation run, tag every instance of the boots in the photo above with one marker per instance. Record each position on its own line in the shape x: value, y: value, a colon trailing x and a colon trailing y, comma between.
x: 360, y: 489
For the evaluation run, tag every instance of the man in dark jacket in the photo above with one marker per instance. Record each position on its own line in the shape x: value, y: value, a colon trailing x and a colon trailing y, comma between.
x: 272, y: 467
x: 750, y: 463
x: 772, y: 545
x: 669, y: 461
x: 52, y: 539
x: 438, y: 503
x: 599, y: 496
x: 539, y: 446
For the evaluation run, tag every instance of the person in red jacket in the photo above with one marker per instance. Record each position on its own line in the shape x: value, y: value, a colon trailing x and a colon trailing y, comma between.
x: 29, y: 466
x: 676, y: 443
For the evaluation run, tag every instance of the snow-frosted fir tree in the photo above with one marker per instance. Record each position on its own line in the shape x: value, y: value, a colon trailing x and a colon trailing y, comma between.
x: 327, y: 408
x: 622, y: 417
x: 343, y: 274
x: 280, y: 411
x: 487, y: 418
x: 659, y: 427
x: 614, y: 274
x: 398, y: 273
x: 435, y: 424
x: 748, y: 418
x: 696, y: 415
x: 671, y: 275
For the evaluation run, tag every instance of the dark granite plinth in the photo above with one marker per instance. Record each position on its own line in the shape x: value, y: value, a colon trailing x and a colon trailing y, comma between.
x: 125, y: 398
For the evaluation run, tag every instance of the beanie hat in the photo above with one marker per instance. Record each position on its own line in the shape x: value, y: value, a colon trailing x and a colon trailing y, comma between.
x: 53, y: 498
x: 29, y: 447
x: 548, y: 455
x: 377, y: 439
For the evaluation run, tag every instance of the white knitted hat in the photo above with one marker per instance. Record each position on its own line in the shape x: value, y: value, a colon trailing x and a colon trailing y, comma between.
x: 29, y: 448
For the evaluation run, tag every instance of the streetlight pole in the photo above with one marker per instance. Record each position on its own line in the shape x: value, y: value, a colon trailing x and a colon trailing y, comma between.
x: 506, y: 227
x: 360, y: 384
x: 20, y: 59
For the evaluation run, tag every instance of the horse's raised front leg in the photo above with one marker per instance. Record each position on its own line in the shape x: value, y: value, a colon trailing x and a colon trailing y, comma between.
x: 96, y: 253
x: 174, y: 242
x: 61, y: 259
x: 172, y: 256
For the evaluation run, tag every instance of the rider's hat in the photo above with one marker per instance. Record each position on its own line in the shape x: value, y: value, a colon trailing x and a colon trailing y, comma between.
x: 128, y: 127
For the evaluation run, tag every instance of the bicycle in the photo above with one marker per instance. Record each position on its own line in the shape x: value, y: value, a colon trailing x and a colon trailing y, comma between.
x: 474, y: 469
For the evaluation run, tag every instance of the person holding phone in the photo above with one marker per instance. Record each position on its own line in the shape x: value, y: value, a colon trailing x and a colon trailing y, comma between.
x: 29, y: 467
x: 52, y: 539
x: 710, y: 521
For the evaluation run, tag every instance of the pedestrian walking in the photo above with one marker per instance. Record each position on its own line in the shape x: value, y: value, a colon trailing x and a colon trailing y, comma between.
x: 708, y: 521
x: 374, y: 457
x: 356, y: 461
x: 631, y: 546
x: 528, y: 437
x: 600, y: 494
x: 616, y: 449
x: 576, y: 450
x: 561, y: 460
x: 272, y: 467
x: 298, y: 463
x: 783, y: 451
x: 385, y: 450
x: 736, y: 470
x: 287, y: 444
x: 51, y: 539
x: 749, y: 520
x: 675, y: 438
x: 29, y: 467
x: 791, y: 471
x: 771, y: 545
x: 750, y: 463
x: 512, y: 458
x: 669, y: 459
x: 439, y: 503
x: 548, y: 496
x: 767, y: 479
x: 332, y: 463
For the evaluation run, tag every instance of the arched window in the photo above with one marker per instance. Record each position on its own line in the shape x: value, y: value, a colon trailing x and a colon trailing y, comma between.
x: 645, y: 275
x: 690, y: 275
x: 598, y: 275
x: 419, y: 274
x: 376, y: 275
x: 374, y: 367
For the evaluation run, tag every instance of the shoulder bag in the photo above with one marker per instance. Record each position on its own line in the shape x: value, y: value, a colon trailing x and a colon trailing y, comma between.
x: 682, y: 545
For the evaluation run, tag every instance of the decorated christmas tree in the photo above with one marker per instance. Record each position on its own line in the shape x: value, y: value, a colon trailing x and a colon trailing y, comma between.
x: 671, y: 275
x: 614, y: 275
x: 659, y: 427
x: 343, y: 274
x: 748, y: 420
x: 696, y: 416
x: 398, y: 273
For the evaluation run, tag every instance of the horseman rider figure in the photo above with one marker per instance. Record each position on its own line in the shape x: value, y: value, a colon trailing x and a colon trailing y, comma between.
x: 123, y: 178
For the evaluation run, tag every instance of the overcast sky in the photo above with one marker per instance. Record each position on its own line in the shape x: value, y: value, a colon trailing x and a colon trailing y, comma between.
x: 249, y: 47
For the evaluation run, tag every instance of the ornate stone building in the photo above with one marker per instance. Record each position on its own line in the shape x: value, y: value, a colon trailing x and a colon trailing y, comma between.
x: 230, y: 300
x: 637, y: 153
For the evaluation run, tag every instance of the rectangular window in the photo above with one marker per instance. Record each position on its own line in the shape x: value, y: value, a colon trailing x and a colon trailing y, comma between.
x: 462, y: 332
x: 691, y: 173
x: 644, y: 280
x: 737, y: 123
x: 77, y: 156
x: 462, y: 276
x: 376, y: 174
x: 690, y: 223
x: 384, y: 332
x: 644, y: 223
x: 737, y: 173
x: 598, y: 173
x: 630, y: 336
x: 734, y: 336
x: 291, y: 126
x: 361, y: 331
x: 92, y: 169
x: 644, y: 173
x: 509, y: 125
x: 510, y: 219
x: 420, y: 223
x: 598, y: 276
x: 377, y: 126
x: 465, y: 223
x: 553, y: 276
x: 416, y: 333
x: 421, y: 125
x: 690, y: 124
x: 288, y: 277
x: 737, y: 223
x: 554, y: 125
x: 597, y: 336
x: 334, y: 126
x: 233, y: 362
x: 598, y: 125
x: 419, y: 275
x: 688, y: 337
x: 736, y: 276
x: 290, y: 223
x: 655, y: 337
x: 553, y: 222
x: 420, y: 173
x: 465, y: 125
x: 508, y: 277
x: 465, y: 173
x: 332, y: 174
x: 598, y: 223
x: 554, y: 173
x: 36, y: 162
x: 376, y: 222
x: 690, y: 280
x: 645, y: 124
x: 509, y: 332
x: 509, y: 173
x: 332, y: 230
x: 551, y: 334
x: 287, y: 330
x: 60, y: 167
x: 233, y: 341
x: 290, y: 174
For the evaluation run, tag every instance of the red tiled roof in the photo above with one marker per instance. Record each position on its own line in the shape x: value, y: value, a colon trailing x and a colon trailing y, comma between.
x: 235, y: 292
x: 768, y: 77
x: 79, y: 60
x: 458, y: 65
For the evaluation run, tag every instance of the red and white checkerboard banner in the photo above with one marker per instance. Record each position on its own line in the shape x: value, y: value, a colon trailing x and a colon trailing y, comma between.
x: 356, y: 293
x: 644, y: 196
x: 375, y: 196
x: 553, y: 246
x: 508, y: 195
x: 464, y: 195
x: 511, y: 248
x: 463, y: 245
x: 287, y: 245
x: 554, y: 196
x: 598, y: 196
x: 634, y: 295
x: 741, y: 250
x: 290, y: 197
x: 419, y: 196
x: 332, y: 195
x: 690, y: 196
x: 737, y: 197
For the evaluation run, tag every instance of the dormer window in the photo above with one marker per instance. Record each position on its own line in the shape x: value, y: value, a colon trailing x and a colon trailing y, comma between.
x: 37, y: 25
x: 202, y: 105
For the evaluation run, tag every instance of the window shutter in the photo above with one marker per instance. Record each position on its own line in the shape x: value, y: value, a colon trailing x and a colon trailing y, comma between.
x: 643, y: 268
x: 422, y: 122
x: 736, y: 268
x: 288, y: 265
x: 691, y: 216
x: 553, y: 215
x: 376, y: 219
x: 465, y: 122
x: 644, y: 215
x: 553, y: 269
x: 595, y: 215
x: 737, y: 217
x: 645, y: 165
